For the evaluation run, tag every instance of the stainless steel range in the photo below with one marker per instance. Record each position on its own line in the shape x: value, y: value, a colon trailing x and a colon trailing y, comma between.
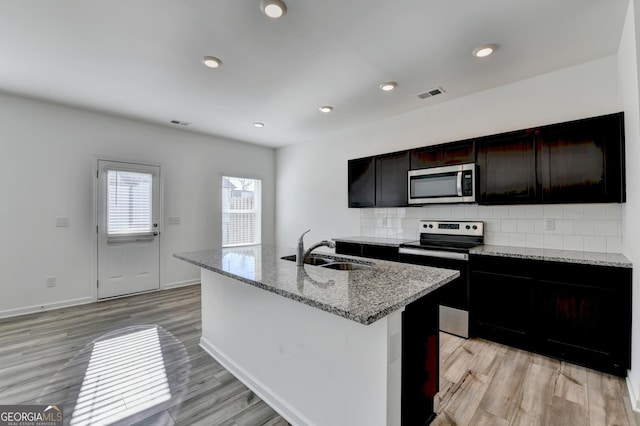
x: 446, y: 244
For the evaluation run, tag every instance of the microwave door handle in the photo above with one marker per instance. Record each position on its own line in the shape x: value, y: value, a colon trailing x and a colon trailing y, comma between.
x: 459, y: 184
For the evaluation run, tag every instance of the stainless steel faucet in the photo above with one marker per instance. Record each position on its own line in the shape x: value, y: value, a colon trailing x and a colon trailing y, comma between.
x: 301, y: 254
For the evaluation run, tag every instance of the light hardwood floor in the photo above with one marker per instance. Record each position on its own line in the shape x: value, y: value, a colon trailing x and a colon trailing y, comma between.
x: 482, y: 383
x: 485, y: 383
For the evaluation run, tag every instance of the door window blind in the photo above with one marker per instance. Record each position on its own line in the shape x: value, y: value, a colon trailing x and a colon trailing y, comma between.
x: 129, y: 202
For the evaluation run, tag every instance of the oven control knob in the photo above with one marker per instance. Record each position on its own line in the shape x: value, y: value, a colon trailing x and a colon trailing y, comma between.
x: 475, y: 227
x: 430, y: 225
x: 468, y: 227
x: 425, y: 226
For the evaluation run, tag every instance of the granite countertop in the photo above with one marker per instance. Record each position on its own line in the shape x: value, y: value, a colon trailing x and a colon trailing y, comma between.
x: 363, y: 296
x: 375, y: 241
x: 568, y: 256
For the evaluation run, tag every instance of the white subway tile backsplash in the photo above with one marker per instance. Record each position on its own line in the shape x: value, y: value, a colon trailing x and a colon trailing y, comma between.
x: 501, y: 212
x: 573, y: 211
x: 552, y: 211
x: 509, y: 225
x: 485, y: 212
x: 470, y: 212
x: 412, y: 212
x: 492, y: 225
x: 517, y: 239
x: 381, y: 212
x: 535, y: 241
x: 614, y: 245
x: 526, y: 226
x: 517, y: 212
x: 534, y: 212
x: 584, y: 227
x: 369, y: 232
x: 367, y: 213
x: 382, y: 232
x: 614, y: 211
x: 444, y: 212
x: 573, y: 242
x: 563, y: 227
x: 368, y: 222
x: 489, y: 238
x: 595, y: 211
x: 607, y: 228
x: 501, y: 239
x: 595, y: 244
x: 408, y: 223
x: 552, y: 242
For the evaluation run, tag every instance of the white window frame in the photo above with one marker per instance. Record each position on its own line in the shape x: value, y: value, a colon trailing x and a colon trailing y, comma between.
x: 257, y: 210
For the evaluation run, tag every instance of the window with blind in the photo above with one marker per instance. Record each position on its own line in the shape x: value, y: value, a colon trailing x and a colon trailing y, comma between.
x: 129, y: 202
x: 241, y: 211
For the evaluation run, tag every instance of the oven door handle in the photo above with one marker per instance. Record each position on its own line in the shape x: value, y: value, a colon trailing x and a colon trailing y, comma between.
x: 434, y: 253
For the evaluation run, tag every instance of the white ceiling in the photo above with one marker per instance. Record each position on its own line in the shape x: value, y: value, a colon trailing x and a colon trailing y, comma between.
x: 142, y: 58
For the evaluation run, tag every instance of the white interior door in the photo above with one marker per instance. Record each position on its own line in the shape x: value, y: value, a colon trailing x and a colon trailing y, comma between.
x: 128, y: 218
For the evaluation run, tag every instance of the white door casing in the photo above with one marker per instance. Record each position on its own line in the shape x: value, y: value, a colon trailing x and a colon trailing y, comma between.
x: 128, y: 224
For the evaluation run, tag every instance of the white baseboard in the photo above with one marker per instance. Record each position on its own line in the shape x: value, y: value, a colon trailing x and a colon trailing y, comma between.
x: 46, y: 307
x: 80, y: 301
x: 181, y: 284
x: 289, y: 413
x: 635, y: 404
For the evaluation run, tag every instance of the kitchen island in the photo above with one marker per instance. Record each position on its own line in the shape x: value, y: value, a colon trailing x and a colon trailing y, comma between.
x: 324, y: 346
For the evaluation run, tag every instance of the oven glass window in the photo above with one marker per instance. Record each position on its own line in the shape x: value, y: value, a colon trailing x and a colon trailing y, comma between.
x: 430, y: 186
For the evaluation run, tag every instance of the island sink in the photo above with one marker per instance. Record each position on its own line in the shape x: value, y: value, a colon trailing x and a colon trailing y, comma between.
x: 331, y: 263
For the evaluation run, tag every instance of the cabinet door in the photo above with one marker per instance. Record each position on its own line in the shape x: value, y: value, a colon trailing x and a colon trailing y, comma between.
x: 501, y: 307
x: 580, y: 161
x: 423, y: 158
x: 506, y: 167
x: 458, y: 152
x: 585, y: 315
x: 362, y: 182
x: 441, y: 155
x: 391, y: 179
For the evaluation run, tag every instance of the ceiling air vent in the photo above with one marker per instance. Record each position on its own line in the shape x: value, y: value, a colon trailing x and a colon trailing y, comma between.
x: 180, y: 123
x: 430, y: 93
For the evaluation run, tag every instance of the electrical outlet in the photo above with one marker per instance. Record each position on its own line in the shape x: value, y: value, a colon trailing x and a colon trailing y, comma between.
x: 384, y: 222
x: 550, y: 224
x: 51, y: 281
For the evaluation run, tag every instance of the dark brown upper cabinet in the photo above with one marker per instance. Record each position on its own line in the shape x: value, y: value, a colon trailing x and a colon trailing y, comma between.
x: 391, y: 179
x: 507, y: 168
x: 582, y: 161
x: 443, y: 155
x: 362, y: 182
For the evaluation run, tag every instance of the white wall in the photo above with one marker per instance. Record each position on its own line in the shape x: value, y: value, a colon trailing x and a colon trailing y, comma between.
x: 47, y: 158
x: 628, y: 70
x: 312, y: 177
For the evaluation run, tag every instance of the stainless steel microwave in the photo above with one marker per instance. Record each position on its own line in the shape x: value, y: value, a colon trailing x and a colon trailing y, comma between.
x: 448, y: 184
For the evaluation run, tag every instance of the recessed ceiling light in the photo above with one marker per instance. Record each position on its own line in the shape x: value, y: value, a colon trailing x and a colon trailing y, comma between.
x: 273, y: 8
x: 388, y: 86
x: 484, y: 50
x: 211, y: 61
x: 258, y: 124
x: 326, y: 109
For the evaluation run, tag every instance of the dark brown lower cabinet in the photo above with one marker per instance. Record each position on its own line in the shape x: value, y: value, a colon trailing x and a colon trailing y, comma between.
x: 420, y: 360
x: 574, y: 312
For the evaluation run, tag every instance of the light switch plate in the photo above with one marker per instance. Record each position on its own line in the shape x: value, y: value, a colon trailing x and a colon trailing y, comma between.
x: 62, y: 222
x: 174, y: 220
